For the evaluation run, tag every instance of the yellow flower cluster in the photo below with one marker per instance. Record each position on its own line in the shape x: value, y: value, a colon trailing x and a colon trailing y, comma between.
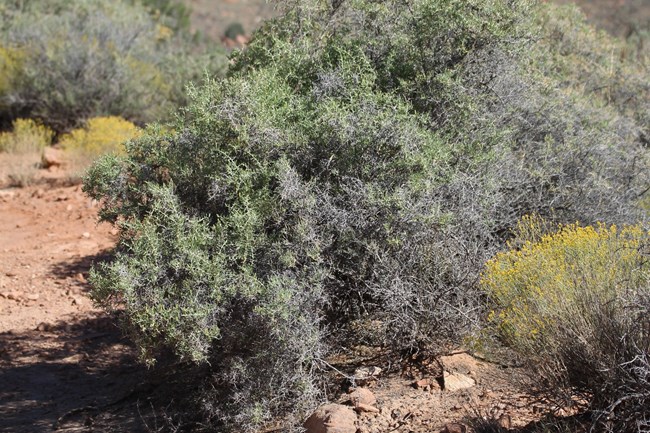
x: 27, y: 136
x: 551, y: 277
x: 101, y: 135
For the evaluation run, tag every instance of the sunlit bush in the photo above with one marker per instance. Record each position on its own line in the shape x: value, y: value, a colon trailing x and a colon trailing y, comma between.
x: 100, y: 135
x: 576, y: 303
x: 27, y: 136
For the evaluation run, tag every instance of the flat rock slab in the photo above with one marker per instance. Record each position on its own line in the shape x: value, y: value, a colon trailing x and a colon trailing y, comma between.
x: 457, y: 381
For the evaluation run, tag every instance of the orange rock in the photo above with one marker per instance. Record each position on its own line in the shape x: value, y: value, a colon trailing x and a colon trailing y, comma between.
x: 331, y: 418
x: 52, y: 157
x: 362, y: 396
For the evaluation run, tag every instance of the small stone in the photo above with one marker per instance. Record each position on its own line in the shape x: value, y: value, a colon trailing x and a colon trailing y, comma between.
x: 366, y: 374
x: 39, y: 193
x: 331, y: 418
x: 52, y: 157
x: 457, y: 381
x: 362, y: 396
x: 505, y: 421
x: 77, y: 301
x: 85, y: 235
x: 115, y: 232
x: 80, y: 278
x: 454, y: 428
x: 7, y: 195
x: 69, y: 208
x: 10, y: 274
x: 425, y: 383
x: 73, y: 359
x: 362, y: 407
x: 14, y: 296
x: 43, y: 327
x: 33, y: 297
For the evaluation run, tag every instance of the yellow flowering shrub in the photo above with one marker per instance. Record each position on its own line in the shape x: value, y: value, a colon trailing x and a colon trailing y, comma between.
x: 27, y: 136
x: 101, y: 135
x: 554, y: 279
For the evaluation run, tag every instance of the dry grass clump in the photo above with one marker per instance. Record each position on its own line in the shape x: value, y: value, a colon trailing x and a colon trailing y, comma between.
x: 22, y: 148
x: 28, y: 136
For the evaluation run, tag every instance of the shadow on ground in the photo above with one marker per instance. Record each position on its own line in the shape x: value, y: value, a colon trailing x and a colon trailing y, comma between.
x: 77, y: 375
x: 80, y: 265
x: 550, y: 424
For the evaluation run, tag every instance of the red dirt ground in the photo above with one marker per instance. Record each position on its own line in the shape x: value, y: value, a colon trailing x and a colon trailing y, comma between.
x: 63, y: 364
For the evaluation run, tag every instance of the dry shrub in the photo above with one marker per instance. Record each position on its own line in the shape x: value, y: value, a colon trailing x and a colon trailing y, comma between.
x: 576, y: 303
x: 100, y: 135
x: 359, y: 165
x: 21, y: 151
x: 28, y: 136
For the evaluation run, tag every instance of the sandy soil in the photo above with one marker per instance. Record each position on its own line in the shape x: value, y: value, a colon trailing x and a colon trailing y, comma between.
x: 63, y: 364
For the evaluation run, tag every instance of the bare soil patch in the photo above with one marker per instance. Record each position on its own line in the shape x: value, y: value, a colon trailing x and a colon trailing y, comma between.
x: 63, y: 364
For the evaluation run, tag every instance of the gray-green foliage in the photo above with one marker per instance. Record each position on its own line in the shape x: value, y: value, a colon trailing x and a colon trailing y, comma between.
x: 356, y: 168
x: 89, y: 58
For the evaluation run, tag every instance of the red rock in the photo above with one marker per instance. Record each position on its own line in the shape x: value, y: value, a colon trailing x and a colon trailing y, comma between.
x: 423, y: 383
x: 331, y: 418
x: 505, y: 421
x: 52, y: 157
x: 362, y: 407
x: 457, y: 381
x: 362, y: 396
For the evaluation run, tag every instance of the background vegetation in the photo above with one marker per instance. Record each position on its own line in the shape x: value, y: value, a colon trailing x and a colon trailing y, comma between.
x: 90, y: 58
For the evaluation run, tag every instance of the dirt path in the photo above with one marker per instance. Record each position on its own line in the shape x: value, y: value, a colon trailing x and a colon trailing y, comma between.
x: 63, y: 364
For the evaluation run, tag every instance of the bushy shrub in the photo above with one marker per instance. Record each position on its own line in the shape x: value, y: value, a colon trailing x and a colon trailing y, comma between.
x: 90, y: 58
x: 10, y: 65
x: 100, y: 135
x: 359, y: 165
x: 28, y: 136
x: 576, y: 303
x: 173, y: 14
x: 577, y: 56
